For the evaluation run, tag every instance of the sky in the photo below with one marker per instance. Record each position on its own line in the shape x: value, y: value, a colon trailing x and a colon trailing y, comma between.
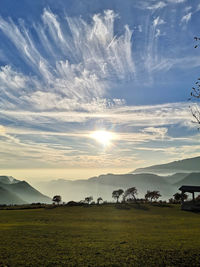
x: 69, y: 69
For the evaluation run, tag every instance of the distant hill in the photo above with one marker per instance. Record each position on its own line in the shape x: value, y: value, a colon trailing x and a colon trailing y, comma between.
x: 18, y: 192
x: 190, y: 179
x: 186, y: 165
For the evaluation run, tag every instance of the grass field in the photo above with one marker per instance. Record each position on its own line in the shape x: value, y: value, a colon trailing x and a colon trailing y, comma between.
x: 100, y: 236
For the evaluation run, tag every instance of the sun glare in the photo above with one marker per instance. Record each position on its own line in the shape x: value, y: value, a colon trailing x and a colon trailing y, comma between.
x: 103, y: 137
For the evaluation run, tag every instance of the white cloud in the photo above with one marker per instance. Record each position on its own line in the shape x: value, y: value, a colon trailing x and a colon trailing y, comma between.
x: 186, y: 18
x: 157, y: 131
x: 59, y: 144
x: 155, y: 115
x: 187, y: 8
x: 140, y: 28
x: 22, y: 40
x: 175, y: 152
x: 158, y: 21
x: 157, y: 33
x: 176, y: 1
x: 157, y: 5
x: 51, y: 21
x: 2, y: 130
x: 7, y: 137
x: 198, y: 8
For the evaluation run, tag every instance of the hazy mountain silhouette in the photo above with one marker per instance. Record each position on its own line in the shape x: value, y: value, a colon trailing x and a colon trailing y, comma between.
x: 190, y: 179
x: 185, y: 165
x: 8, y: 179
x: 103, y: 186
x: 175, y: 178
x: 7, y: 197
x: 18, y: 192
x: 143, y: 179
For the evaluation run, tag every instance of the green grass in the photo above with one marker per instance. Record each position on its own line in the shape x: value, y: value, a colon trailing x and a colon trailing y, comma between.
x: 100, y: 236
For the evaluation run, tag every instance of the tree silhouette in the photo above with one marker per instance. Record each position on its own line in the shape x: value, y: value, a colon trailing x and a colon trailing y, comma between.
x: 117, y: 193
x: 178, y: 197
x: 88, y: 199
x: 155, y: 195
x: 148, y: 195
x: 195, y: 93
x: 99, y: 199
x: 57, y: 199
x: 198, y: 198
x: 130, y: 192
x: 152, y: 195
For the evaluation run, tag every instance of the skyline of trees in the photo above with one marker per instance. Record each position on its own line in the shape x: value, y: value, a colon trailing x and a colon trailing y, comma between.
x: 129, y: 195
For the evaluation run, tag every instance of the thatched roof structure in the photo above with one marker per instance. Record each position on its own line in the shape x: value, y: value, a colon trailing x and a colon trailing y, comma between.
x: 189, y: 188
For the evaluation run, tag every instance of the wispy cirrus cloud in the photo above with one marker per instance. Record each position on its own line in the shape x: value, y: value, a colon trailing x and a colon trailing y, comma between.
x: 154, y: 5
x: 147, y: 115
x: 186, y: 18
x: 137, y: 128
x: 157, y: 5
x: 187, y: 8
x: 158, y: 21
x: 83, y: 59
x: 176, y: 1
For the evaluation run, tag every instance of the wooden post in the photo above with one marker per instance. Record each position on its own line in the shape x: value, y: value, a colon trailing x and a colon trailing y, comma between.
x: 193, y: 196
x: 182, y: 198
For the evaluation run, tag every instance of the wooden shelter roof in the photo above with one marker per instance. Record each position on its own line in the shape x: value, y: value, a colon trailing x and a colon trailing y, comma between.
x: 189, y: 188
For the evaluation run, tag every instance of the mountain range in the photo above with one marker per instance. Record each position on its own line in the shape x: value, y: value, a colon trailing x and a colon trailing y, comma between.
x: 13, y: 191
x: 174, y: 174
x: 186, y: 165
x: 104, y: 185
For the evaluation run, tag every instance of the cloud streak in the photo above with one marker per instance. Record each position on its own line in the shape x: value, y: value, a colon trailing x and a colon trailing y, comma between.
x: 140, y: 115
x: 157, y: 5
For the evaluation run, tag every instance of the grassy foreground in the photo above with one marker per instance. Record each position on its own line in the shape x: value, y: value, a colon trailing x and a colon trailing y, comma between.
x: 100, y: 236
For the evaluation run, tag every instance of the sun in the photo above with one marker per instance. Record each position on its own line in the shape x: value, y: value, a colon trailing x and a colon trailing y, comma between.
x: 103, y: 137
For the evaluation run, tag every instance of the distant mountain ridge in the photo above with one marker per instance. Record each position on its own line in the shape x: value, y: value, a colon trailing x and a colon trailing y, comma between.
x: 185, y: 165
x: 174, y: 174
x: 8, y: 179
x: 104, y: 185
x: 183, y: 172
x: 13, y: 191
x: 190, y: 179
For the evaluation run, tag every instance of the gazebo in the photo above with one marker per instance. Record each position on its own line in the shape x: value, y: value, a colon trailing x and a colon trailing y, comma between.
x: 190, y: 205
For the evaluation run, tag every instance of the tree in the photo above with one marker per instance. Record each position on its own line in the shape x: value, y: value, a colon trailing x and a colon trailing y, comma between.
x: 195, y: 94
x: 99, y: 199
x: 147, y: 195
x: 57, y: 199
x: 171, y: 201
x: 155, y: 195
x: 152, y: 195
x: 198, y: 198
x: 117, y: 193
x: 178, y: 197
x: 130, y: 192
x: 88, y: 199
